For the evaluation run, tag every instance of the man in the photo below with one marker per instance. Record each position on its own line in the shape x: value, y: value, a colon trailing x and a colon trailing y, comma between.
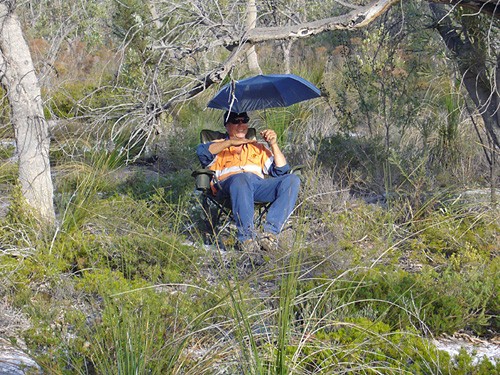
x: 240, y: 165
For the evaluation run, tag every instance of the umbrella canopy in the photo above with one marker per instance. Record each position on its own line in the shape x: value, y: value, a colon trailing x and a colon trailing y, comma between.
x: 263, y: 91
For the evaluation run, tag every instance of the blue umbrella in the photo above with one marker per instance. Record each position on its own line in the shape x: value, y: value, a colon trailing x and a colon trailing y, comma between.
x: 263, y: 91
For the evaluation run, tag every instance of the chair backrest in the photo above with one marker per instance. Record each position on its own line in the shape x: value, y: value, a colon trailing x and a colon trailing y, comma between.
x: 208, y: 135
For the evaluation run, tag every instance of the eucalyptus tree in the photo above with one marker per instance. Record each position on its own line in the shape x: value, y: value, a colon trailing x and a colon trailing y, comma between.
x: 17, y: 74
x: 472, y: 40
x: 55, y: 22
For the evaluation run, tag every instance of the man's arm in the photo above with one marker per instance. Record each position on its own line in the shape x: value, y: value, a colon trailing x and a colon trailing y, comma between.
x: 204, y: 155
x: 272, y: 140
x: 208, y: 151
x: 216, y: 147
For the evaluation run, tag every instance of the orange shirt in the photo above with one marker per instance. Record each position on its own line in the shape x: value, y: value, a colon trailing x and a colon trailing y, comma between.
x: 254, y: 158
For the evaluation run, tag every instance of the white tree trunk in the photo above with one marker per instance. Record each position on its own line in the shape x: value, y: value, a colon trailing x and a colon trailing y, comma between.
x: 30, y: 126
x: 286, y: 46
x: 253, y: 60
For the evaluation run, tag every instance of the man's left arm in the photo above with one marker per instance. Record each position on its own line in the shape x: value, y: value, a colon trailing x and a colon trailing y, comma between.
x: 280, y: 163
x: 272, y: 140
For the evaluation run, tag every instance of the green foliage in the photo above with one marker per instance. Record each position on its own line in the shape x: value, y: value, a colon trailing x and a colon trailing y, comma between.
x: 8, y: 168
x: 358, y: 161
x: 372, y: 346
x: 8, y: 174
x: 127, y: 342
x: 44, y: 18
x: 80, y: 196
x: 287, y: 122
x: 131, y: 328
x: 19, y: 212
x: 169, y: 190
x: 465, y: 364
x: 131, y: 24
x: 117, y: 290
x: 445, y: 302
x: 74, y: 98
x: 456, y: 232
x: 6, y: 150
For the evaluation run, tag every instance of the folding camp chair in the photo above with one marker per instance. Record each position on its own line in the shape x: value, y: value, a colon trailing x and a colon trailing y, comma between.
x: 218, y: 211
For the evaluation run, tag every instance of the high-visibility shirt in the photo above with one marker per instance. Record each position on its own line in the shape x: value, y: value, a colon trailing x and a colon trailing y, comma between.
x: 254, y: 158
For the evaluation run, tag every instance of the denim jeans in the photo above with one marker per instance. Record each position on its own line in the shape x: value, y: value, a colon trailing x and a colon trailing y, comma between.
x: 246, y: 188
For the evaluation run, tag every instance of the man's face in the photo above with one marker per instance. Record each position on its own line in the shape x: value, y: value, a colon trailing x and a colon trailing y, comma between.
x: 237, y: 127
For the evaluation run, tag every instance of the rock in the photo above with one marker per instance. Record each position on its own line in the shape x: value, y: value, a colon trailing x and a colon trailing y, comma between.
x: 14, y: 361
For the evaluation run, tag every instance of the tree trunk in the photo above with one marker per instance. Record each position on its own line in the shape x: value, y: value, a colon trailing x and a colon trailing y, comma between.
x: 493, y: 179
x: 286, y: 46
x: 30, y: 126
x: 253, y: 60
x: 472, y: 66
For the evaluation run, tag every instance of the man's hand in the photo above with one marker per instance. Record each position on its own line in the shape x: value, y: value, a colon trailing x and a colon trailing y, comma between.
x: 269, y: 136
x: 272, y: 140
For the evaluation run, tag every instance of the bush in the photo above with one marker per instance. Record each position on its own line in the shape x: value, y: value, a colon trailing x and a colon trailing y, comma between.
x: 441, y: 302
x: 369, y: 347
x: 358, y: 160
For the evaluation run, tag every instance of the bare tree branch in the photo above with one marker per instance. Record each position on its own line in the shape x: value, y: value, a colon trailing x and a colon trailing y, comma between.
x: 357, y: 18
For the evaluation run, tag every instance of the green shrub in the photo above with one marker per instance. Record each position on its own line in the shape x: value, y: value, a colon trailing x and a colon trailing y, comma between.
x: 453, y: 231
x: 71, y: 99
x: 358, y: 160
x: 442, y: 302
x: 361, y: 345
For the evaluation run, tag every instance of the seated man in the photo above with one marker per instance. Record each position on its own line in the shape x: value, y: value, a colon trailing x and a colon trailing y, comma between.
x: 240, y: 165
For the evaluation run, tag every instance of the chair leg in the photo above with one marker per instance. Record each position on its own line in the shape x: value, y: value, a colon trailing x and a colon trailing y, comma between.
x: 260, y: 214
x: 210, y: 221
x: 218, y: 217
x: 214, y: 221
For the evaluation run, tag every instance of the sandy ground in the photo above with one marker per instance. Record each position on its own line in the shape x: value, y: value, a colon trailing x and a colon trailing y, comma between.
x: 478, y: 348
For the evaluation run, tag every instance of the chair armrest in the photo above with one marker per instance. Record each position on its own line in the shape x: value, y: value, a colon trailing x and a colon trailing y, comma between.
x: 204, y: 171
x: 203, y: 177
x: 297, y: 169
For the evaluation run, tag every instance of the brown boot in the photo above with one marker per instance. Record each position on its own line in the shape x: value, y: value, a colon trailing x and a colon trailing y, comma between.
x: 251, y: 254
x: 249, y: 246
x: 268, y: 242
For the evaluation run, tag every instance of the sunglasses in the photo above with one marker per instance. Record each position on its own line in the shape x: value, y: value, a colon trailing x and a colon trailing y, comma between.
x: 236, y: 121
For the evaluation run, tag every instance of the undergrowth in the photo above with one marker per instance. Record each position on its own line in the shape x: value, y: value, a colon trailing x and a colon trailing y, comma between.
x: 126, y: 284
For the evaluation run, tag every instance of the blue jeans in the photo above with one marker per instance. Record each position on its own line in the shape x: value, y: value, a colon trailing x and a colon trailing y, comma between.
x: 246, y: 188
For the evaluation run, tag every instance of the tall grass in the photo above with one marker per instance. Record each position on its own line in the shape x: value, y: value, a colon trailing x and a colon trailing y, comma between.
x: 315, y: 320
x: 146, y: 301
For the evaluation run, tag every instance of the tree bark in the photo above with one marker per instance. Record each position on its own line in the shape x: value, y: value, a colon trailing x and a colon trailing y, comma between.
x: 472, y: 66
x: 357, y: 18
x: 253, y: 60
x: 17, y: 75
x: 491, y: 7
x: 286, y: 47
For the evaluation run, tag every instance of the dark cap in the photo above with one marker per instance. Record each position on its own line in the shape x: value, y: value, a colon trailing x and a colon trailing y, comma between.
x: 228, y: 116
